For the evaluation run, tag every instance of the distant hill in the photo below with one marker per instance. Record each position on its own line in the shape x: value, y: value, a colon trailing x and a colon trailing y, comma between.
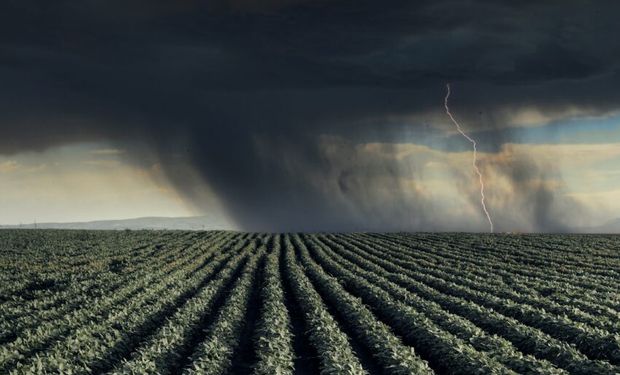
x: 173, y: 223
x: 209, y: 223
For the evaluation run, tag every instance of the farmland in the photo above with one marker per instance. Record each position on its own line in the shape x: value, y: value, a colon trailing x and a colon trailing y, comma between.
x: 170, y: 302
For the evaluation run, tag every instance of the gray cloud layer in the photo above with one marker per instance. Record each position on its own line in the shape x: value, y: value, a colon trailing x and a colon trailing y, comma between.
x: 212, y: 86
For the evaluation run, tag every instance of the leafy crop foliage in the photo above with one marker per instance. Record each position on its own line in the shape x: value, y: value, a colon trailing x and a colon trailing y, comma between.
x: 170, y: 302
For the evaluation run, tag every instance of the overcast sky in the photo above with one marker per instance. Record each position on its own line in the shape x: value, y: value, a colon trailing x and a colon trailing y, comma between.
x: 288, y: 115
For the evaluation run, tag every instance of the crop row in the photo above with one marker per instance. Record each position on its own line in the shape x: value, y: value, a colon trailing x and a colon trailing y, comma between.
x: 225, y: 303
x: 101, y: 327
x: 526, y: 339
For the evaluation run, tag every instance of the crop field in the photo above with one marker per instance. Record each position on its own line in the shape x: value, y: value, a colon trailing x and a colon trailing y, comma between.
x: 171, y: 302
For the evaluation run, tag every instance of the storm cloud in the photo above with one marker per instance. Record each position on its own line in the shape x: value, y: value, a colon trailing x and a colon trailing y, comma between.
x: 271, y: 104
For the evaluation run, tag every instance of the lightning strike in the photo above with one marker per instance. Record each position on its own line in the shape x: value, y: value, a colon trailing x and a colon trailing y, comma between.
x: 475, y: 158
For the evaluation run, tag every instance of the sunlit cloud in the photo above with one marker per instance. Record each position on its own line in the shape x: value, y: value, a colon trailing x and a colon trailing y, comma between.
x: 66, y: 188
x: 102, y: 163
x: 8, y: 166
x: 108, y: 151
x: 529, y: 186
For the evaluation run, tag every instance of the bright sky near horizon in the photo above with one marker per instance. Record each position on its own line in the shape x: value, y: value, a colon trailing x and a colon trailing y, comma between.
x: 96, y: 181
x: 83, y: 182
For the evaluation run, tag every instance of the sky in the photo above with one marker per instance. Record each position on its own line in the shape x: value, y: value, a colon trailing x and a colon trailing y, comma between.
x: 299, y: 115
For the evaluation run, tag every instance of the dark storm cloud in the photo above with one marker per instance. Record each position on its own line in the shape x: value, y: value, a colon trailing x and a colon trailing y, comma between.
x: 210, y: 84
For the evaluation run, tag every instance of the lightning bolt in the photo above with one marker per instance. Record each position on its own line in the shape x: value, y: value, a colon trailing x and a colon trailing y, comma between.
x: 475, y: 158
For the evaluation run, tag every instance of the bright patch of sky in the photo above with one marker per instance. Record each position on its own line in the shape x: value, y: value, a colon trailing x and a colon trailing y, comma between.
x: 604, y: 129
x: 97, y: 181
x: 83, y: 182
x: 584, y: 151
x: 578, y: 130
